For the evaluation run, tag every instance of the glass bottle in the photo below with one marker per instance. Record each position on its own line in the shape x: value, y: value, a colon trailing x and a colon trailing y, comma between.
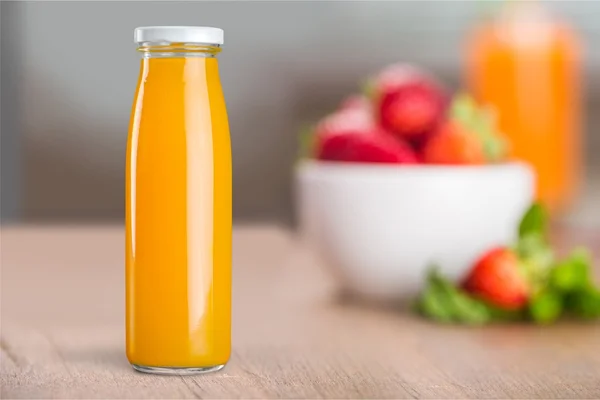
x: 526, y: 63
x: 178, y: 206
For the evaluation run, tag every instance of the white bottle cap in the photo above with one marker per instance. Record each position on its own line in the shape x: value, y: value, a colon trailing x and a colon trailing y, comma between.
x: 179, y: 34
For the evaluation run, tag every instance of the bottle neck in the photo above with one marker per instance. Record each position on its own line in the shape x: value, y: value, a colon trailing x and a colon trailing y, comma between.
x: 177, y: 67
x: 178, y: 50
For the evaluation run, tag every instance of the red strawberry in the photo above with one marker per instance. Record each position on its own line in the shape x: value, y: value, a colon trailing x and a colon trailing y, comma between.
x: 353, y: 119
x: 451, y: 143
x: 372, y: 146
x: 497, y: 279
x: 409, y: 102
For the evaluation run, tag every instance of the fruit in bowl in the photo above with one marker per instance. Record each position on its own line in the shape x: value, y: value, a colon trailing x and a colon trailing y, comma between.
x: 404, y: 176
x: 409, y: 101
x: 406, y: 118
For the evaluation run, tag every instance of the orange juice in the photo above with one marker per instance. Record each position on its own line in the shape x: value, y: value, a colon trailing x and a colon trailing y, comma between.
x: 527, y: 66
x: 178, y: 206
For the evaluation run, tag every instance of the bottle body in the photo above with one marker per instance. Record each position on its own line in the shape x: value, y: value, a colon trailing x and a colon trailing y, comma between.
x: 527, y: 65
x: 178, y: 217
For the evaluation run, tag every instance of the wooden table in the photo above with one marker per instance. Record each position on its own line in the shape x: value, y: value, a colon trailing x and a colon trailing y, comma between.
x: 63, y: 332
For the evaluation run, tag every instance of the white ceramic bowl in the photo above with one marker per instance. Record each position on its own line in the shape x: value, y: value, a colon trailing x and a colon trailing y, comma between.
x: 380, y: 226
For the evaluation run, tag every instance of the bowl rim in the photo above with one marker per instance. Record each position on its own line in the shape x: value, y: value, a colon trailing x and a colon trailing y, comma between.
x: 397, y: 169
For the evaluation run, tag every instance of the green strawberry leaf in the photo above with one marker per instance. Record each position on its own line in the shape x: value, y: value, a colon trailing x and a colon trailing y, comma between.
x: 482, y: 122
x: 545, y: 307
x: 463, y: 108
x: 573, y: 273
x: 432, y: 302
x: 495, y: 144
x: 535, y: 221
x: 535, y: 246
x: 432, y: 305
x: 534, y: 250
x: 584, y: 303
x: 500, y: 315
x: 306, y: 140
x: 536, y: 271
x: 368, y: 88
x: 464, y: 309
x: 495, y: 148
x: 444, y: 302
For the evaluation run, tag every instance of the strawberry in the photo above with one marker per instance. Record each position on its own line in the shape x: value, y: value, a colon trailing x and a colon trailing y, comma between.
x: 409, y: 103
x: 374, y: 146
x: 497, y: 279
x: 352, y: 135
x: 452, y: 143
x: 411, y: 111
x: 350, y: 119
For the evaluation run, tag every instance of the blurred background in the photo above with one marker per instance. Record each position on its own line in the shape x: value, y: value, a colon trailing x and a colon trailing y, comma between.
x: 69, y: 69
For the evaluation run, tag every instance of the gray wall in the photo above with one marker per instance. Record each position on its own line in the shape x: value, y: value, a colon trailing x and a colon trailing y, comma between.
x: 9, y: 144
x: 69, y: 71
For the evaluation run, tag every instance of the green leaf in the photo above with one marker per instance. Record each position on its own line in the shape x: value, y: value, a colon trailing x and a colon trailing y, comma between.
x: 469, y: 310
x: 495, y: 148
x: 498, y: 314
x: 462, y: 307
x: 443, y: 302
x: 482, y: 122
x: 572, y: 277
x: 536, y: 260
x: 534, y: 245
x: 572, y: 273
x: 306, y: 140
x: 534, y: 222
x: 584, y: 303
x: 546, y: 307
x: 368, y: 88
x: 433, y: 302
x: 463, y: 108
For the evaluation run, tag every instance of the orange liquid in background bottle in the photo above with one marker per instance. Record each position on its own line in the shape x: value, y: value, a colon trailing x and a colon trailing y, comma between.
x: 527, y: 66
x: 178, y: 218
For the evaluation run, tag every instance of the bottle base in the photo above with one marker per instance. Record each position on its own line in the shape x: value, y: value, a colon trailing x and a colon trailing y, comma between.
x: 177, y: 370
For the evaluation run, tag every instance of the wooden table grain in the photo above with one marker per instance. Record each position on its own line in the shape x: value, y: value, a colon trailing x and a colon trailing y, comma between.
x: 63, y: 332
